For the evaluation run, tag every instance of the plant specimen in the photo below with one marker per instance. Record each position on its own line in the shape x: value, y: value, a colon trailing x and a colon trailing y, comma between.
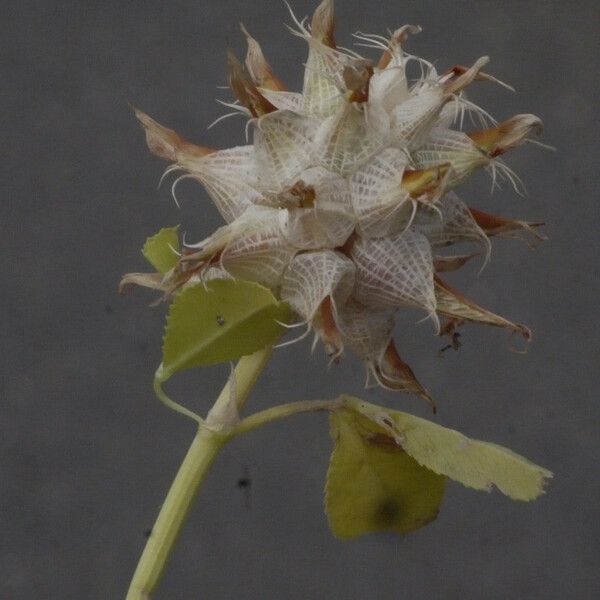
x: 337, y: 215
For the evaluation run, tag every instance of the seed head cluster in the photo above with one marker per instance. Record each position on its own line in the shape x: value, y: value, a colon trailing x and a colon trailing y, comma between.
x: 346, y: 194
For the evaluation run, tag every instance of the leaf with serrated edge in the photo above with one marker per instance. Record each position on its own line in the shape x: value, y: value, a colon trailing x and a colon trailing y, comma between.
x: 475, y: 464
x: 221, y: 321
x: 373, y: 485
x: 161, y: 249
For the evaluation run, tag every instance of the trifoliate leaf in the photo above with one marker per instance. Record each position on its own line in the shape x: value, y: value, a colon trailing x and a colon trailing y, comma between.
x: 475, y: 464
x: 373, y: 484
x: 160, y: 250
x: 219, y: 321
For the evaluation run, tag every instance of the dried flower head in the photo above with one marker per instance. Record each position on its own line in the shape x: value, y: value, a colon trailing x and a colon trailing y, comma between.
x: 347, y: 193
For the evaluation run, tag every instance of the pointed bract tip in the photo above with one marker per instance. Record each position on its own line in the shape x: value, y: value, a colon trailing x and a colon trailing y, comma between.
x: 511, y: 133
x: 258, y: 67
x: 167, y: 143
x: 323, y: 23
x: 454, y: 84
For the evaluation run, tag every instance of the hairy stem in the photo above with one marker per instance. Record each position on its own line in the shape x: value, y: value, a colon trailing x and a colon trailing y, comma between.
x: 208, y: 442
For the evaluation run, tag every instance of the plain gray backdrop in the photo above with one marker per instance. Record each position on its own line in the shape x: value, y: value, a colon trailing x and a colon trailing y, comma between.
x: 87, y: 452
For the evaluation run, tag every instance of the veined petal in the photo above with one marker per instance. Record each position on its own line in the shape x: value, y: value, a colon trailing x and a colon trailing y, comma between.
x: 453, y: 304
x: 342, y: 143
x: 291, y: 101
x: 381, y: 206
x: 322, y: 91
x: 388, y: 88
x: 411, y: 120
x: 449, y: 222
x: 323, y: 73
x: 453, y: 147
x: 394, y: 271
x: 229, y: 177
x: 319, y: 211
x: 312, y: 276
x: 365, y: 331
x: 251, y: 247
x: 282, y: 147
x: 369, y: 335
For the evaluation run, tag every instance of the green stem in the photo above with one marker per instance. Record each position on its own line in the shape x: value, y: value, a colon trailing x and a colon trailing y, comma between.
x: 209, y: 440
x: 191, y: 474
x: 283, y: 411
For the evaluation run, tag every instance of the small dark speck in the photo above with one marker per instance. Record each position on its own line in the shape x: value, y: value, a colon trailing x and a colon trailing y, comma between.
x: 575, y: 180
x: 147, y: 533
x: 220, y: 320
x: 243, y: 482
x: 108, y: 309
x: 387, y: 512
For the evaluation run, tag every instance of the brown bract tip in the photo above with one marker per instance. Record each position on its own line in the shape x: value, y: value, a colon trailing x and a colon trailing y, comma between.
x: 508, y: 134
x: 166, y: 143
x: 258, y: 67
x: 244, y: 88
x: 453, y: 304
x: 397, y: 40
x: 323, y: 23
x: 496, y: 225
x: 454, y: 84
x: 393, y: 373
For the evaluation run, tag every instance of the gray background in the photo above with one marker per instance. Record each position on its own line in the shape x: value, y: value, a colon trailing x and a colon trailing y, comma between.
x: 87, y: 453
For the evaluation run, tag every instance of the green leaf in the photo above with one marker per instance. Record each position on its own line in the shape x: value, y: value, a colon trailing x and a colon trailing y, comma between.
x: 373, y: 485
x: 161, y: 249
x: 475, y: 464
x: 217, y: 322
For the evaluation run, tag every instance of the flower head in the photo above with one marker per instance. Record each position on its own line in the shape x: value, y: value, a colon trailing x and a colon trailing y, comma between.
x: 346, y: 195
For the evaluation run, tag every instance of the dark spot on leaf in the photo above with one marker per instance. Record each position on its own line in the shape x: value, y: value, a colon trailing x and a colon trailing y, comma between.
x: 220, y: 320
x: 147, y: 533
x: 244, y: 482
x: 387, y: 512
x: 388, y: 422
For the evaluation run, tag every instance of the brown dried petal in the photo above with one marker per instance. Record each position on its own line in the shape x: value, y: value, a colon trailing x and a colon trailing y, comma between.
x: 496, y: 225
x: 244, y: 88
x: 452, y: 303
x: 258, y: 67
x: 168, y: 144
x: 508, y: 134
x: 323, y: 23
